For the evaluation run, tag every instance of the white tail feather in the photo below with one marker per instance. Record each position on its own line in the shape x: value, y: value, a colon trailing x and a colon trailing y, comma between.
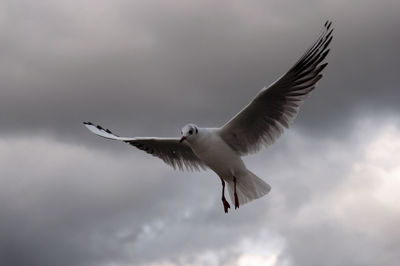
x: 248, y: 187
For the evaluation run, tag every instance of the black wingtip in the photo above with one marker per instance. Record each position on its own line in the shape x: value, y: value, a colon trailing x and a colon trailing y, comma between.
x: 87, y: 123
x: 327, y: 42
x: 328, y: 24
x: 322, y: 67
x: 323, y: 56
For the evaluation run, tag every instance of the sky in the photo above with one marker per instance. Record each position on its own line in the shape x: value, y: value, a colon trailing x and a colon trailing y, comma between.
x: 147, y: 68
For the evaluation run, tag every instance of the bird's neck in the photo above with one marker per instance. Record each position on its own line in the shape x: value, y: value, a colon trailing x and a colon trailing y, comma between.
x: 203, y: 137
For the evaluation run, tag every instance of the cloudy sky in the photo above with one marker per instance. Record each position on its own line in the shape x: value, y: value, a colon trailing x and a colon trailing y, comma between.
x: 147, y: 68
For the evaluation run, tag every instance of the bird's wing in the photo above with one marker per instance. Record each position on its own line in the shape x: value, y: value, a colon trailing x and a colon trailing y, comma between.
x: 262, y: 121
x: 178, y: 155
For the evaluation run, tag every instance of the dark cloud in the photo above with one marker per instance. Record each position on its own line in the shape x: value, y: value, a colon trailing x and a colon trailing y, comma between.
x: 149, y: 67
x: 156, y: 66
x: 70, y: 205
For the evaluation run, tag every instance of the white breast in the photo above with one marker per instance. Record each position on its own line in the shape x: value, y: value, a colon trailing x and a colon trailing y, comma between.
x: 216, y: 154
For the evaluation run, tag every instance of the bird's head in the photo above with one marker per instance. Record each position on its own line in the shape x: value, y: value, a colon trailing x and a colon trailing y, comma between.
x: 189, y: 132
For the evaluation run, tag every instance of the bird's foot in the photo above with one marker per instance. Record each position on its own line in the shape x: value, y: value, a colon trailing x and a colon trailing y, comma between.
x: 236, y: 202
x: 236, y: 196
x: 226, y: 205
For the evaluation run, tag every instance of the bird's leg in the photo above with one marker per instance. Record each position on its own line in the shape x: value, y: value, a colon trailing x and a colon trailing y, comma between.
x: 224, y: 201
x: 236, y: 196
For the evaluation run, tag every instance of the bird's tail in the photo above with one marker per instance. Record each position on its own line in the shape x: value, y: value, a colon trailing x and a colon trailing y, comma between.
x: 248, y: 187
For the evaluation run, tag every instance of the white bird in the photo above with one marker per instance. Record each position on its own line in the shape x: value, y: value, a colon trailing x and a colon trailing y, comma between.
x: 259, y: 124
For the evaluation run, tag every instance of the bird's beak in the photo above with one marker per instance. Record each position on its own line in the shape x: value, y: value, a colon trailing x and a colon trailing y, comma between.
x: 182, y: 139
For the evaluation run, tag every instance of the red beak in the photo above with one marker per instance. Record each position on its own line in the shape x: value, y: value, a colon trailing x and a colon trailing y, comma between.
x: 182, y: 139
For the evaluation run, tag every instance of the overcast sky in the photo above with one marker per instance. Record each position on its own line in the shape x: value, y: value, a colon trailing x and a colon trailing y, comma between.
x: 148, y: 67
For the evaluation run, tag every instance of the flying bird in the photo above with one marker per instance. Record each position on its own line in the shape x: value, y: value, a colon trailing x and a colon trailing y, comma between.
x: 258, y: 124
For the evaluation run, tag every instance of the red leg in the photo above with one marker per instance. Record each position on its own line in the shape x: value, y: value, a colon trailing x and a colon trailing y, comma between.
x: 224, y: 201
x: 236, y: 196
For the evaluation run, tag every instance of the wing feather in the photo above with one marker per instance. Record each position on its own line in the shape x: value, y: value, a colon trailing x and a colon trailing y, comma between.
x: 273, y: 109
x: 178, y: 155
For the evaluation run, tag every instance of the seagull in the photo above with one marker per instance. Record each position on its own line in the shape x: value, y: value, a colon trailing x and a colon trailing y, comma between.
x: 258, y: 124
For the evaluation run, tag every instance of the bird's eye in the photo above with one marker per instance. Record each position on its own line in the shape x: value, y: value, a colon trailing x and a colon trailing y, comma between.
x: 190, y: 132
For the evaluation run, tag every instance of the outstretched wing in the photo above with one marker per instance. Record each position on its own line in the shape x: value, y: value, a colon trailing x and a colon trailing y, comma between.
x: 178, y: 155
x: 263, y: 120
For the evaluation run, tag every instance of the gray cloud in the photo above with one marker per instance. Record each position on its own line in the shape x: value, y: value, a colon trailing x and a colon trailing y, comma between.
x: 77, y: 206
x: 126, y: 64
x: 148, y: 68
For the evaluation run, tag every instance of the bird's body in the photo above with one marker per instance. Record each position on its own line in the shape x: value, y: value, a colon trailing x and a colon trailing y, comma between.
x: 259, y: 124
x: 216, y: 154
x: 211, y: 149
